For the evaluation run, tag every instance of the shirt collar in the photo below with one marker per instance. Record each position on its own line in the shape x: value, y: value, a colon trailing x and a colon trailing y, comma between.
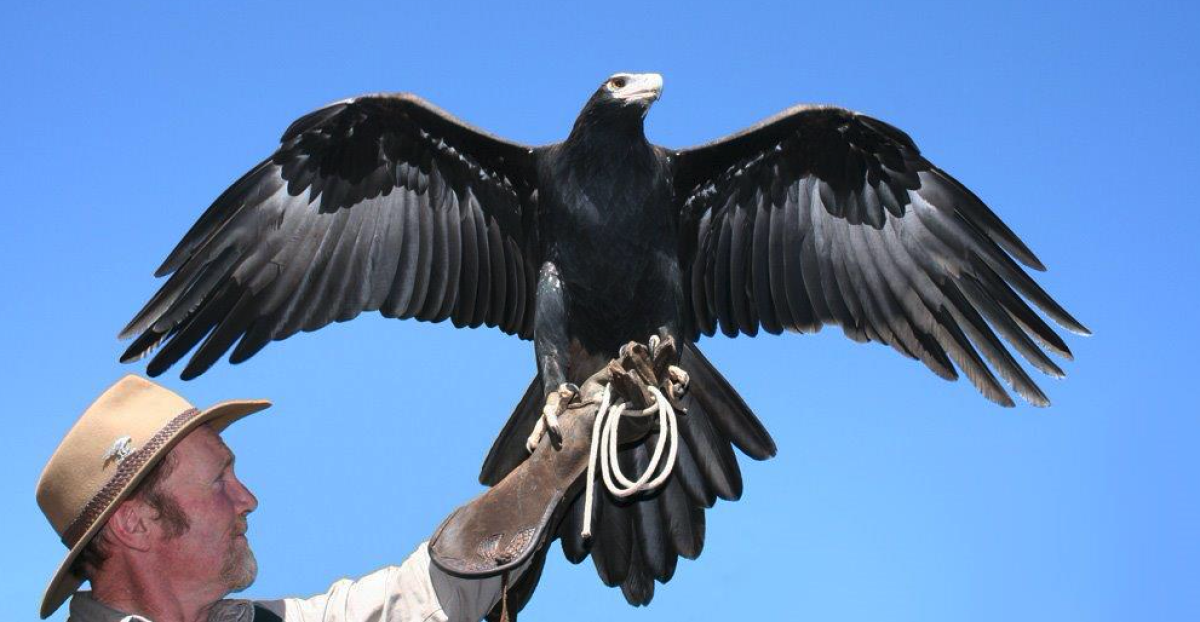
x: 85, y: 608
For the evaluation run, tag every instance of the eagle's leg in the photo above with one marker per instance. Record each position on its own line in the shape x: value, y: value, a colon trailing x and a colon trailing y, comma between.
x: 550, y: 346
x: 550, y: 328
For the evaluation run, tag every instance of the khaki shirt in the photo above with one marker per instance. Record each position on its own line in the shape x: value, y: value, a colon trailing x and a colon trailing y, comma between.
x: 415, y: 591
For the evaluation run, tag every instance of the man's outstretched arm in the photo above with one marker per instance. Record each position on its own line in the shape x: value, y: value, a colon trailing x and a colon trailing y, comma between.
x: 415, y: 591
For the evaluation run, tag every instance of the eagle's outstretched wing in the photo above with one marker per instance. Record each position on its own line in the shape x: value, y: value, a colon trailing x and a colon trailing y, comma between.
x: 381, y: 202
x: 823, y: 216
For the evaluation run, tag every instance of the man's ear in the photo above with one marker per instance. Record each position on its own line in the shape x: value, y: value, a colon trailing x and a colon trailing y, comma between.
x: 131, y: 525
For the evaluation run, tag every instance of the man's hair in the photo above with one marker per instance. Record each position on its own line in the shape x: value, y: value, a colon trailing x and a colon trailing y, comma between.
x: 166, y: 510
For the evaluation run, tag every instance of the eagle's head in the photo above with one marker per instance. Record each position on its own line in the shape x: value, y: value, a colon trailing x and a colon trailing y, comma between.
x: 617, y: 108
x: 627, y: 94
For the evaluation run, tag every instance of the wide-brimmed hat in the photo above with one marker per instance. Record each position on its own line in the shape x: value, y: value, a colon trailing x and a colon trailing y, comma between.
x: 116, y: 442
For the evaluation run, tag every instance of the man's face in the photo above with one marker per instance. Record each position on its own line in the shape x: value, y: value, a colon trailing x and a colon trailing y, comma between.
x: 214, y: 551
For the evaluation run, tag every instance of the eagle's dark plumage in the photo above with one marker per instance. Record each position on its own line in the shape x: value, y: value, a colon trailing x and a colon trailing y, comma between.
x: 816, y: 216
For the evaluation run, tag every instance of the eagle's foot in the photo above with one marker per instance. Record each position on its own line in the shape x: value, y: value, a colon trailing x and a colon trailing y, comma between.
x: 672, y: 380
x: 556, y: 404
x: 655, y: 364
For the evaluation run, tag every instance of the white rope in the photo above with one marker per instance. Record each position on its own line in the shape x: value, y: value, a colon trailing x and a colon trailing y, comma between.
x: 604, y: 451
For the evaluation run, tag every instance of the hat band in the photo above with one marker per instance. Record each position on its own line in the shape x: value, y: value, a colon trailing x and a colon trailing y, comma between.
x: 127, y: 468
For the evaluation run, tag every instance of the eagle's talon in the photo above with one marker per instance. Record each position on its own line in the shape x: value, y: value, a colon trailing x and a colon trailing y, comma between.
x: 556, y: 404
x: 535, y: 437
x: 550, y: 413
x: 679, y: 377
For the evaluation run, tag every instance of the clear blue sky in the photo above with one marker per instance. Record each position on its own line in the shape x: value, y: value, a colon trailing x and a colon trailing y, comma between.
x: 895, y: 495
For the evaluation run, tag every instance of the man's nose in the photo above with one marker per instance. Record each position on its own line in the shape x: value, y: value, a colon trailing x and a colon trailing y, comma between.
x: 245, y: 498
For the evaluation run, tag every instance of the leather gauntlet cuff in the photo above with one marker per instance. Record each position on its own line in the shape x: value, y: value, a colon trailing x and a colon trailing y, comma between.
x: 502, y: 528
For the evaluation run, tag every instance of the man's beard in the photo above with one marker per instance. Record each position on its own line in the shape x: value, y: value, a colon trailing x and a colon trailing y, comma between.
x: 240, y: 567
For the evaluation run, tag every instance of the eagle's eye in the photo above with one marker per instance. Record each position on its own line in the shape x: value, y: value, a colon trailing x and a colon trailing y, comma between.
x: 617, y: 83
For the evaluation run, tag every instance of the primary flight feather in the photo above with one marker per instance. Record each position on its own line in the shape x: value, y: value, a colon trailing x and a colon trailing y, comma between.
x: 816, y: 216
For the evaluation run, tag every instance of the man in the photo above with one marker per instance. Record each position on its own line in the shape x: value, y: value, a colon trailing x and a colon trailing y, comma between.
x: 143, y: 492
